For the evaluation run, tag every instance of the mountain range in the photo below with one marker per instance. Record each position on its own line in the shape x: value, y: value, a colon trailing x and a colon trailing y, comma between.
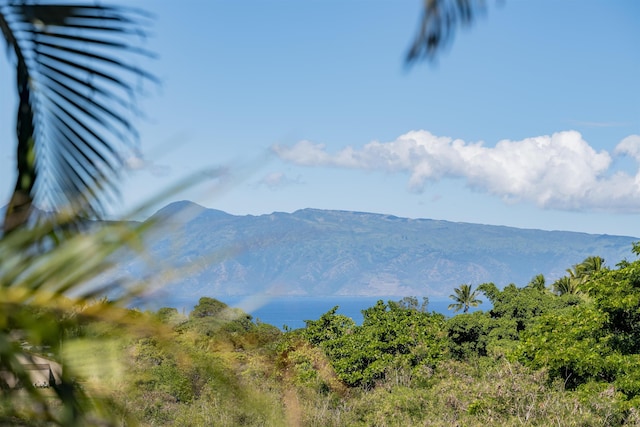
x: 198, y: 251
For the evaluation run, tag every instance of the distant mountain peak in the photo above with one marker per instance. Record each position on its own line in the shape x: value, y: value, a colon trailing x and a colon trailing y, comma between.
x: 185, y: 210
x: 333, y: 252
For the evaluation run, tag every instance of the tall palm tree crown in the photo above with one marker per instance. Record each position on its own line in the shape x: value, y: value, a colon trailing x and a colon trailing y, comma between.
x: 578, y: 275
x: 465, y: 297
x: 538, y: 282
x: 77, y: 89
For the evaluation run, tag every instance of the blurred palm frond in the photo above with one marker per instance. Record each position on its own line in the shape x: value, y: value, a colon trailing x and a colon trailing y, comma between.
x: 77, y: 82
x: 438, y: 25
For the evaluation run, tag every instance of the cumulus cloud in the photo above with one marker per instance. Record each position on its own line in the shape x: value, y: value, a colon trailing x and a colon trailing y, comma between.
x: 629, y: 146
x: 559, y: 171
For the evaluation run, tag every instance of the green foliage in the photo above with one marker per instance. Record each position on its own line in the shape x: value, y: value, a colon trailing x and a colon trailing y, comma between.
x: 538, y: 282
x: 464, y: 298
x: 486, y: 392
x: 402, y: 366
x: 215, y: 319
x: 170, y: 316
x: 307, y: 367
x: 67, y: 158
x: 330, y: 326
x: 263, y: 334
x: 411, y: 303
x: 566, y: 285
x: 570, y: 343
x: 469, y: 335
x: 208, y: 307
x: 391, y: 336
x: 598, y: 340
x: 498, y: 331
x: 39, y: 318
x: 514, y: 309
x: 617, y: 294
x: 172, y: 381
x: 569, y: 358
x: 198, y: 379
x: 578, y: 276
x: 402, y: 406
x: 590, y: 266
x: 66, y: 152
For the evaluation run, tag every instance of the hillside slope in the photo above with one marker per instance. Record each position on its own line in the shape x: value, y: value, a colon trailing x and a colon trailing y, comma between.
x: 204, y: 251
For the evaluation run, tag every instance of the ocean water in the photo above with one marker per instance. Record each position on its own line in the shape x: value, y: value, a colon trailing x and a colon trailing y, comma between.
x: 291, y: 311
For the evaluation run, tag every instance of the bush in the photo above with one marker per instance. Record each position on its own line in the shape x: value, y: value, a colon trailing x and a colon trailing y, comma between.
x: 391, y: 336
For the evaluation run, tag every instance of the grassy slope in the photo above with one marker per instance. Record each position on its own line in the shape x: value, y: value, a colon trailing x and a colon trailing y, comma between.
x: 232, y: 373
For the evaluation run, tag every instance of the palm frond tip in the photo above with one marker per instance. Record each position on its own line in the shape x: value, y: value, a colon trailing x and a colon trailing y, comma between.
x: 78, y: 84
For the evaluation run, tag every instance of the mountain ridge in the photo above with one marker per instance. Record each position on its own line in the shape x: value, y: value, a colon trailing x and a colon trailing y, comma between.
x: 185, y: 204
x: 315, y: 252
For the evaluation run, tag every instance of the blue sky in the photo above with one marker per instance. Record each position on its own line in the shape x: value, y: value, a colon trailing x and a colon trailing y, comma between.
x: 530, y: 119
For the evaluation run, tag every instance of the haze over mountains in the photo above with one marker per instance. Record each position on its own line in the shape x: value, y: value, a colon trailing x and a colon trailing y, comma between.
x: 313, y: 252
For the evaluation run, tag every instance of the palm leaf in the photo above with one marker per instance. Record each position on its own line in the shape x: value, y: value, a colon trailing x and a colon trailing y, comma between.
x: 440, y: 19
x: 48, y: 296
x: 464, y: 298
x: 77, y: 85
x: 45, y: 294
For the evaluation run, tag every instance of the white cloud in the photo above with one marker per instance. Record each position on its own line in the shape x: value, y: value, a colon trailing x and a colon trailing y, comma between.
x: 275, y: 180
x: 559, y: 171
x: 629, y: 146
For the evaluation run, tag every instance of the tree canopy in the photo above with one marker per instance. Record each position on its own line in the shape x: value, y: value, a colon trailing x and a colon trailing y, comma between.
x: 464, y: 297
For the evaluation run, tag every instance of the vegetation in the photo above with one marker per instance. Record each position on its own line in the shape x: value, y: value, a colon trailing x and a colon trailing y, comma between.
x: 392, y: 337
x: 465, y: 297
x: 79, y: 332
x: 535, y: 358
x: 568, y: 357
x: 76, y: 85
x: 76, y: 88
